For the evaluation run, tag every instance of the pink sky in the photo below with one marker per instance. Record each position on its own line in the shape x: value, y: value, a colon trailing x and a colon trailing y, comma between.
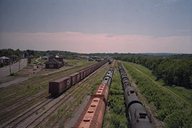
x: 86, y: 43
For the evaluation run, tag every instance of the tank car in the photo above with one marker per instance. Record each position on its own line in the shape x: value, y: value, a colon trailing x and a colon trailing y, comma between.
x: 130, y: 96
x: 138, y: 116
x: 135, y: 110
x: 108, y: 77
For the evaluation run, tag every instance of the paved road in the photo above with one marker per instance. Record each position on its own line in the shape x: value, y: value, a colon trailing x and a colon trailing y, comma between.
x: 5, y: 71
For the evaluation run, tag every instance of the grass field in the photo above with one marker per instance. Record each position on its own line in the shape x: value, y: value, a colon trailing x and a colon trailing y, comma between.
x: 173, y: 106
x: 115, y: 116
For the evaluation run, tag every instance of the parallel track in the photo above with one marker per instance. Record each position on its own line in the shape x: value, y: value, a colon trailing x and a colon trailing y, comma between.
x: 24, y: 102
x: 39, y: 112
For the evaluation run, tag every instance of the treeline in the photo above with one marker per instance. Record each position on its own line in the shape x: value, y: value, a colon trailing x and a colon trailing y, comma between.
x: 65, y: 54
x: 10, y: 53
x: 35, y: 53
x: 174, y: 69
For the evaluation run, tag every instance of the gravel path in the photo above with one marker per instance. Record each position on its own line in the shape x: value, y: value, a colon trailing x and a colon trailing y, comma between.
x: 15, y: 81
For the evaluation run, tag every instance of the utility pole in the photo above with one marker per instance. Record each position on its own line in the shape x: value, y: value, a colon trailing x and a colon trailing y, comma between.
x: 10, y: 67
x: 19, y: 64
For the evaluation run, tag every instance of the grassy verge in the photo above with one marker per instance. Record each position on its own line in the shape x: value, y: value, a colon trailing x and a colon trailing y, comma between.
x: 115, y: 116
x: 186, y: 94
x: 171, y: 105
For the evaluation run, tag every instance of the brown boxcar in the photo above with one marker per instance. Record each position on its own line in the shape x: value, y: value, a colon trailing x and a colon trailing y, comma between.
x: 82, y: 74
x: 78, y: 77
x: 58, y: 86
x: 73, y: 78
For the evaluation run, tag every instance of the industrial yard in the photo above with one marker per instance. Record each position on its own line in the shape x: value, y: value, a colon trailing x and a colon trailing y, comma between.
x: 95, y: 64
x: 61, y: 97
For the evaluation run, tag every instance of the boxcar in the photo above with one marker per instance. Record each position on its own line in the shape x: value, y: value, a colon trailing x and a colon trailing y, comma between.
x: 74, y: 78
x: 58, y: 86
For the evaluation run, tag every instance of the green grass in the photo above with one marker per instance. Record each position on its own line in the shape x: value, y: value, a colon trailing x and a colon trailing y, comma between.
x: 182, y: 92
x: 179, y: 92
x: 172, y: 106
x: 75, y: 61
x: 115, y: 116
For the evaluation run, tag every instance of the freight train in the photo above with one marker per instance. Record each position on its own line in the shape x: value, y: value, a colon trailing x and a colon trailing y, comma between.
x: 92, y: 116
x: 57, y: 87
x: 137, y: 115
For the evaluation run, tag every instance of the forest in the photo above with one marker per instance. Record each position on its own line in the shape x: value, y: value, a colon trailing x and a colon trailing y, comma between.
x: 173, y: 69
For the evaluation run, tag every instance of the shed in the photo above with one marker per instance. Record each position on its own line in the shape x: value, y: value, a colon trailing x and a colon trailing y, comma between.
x: 53, y: 63
x: 4, y: 60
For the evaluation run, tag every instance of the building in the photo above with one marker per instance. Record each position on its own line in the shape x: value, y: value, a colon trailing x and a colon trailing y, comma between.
x: 54, y: 63
x: 4, y: 60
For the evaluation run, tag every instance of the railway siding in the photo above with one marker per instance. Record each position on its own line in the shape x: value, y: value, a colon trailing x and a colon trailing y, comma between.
x: 40, y: 115
x: 28, y: 93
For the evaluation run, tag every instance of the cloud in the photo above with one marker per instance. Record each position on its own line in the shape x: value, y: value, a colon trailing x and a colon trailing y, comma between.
x: 86, y: 42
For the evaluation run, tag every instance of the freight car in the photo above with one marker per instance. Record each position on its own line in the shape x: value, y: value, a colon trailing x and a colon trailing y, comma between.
x: 92, y: 116
x: 135, y: 110
x: 59, y: 86
x: 108, y: 77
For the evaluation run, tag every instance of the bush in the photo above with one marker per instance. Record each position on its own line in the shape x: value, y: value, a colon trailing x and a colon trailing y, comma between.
x: 179, y: 119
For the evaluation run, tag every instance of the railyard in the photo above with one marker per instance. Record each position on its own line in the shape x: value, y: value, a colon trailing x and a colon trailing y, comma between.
x: 30, y: 92
x: 95, y: 64
x: 31, y: 104
x: 45, y: 110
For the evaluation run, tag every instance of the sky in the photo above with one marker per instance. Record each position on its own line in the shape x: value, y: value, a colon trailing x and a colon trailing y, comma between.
x: 87, y: 26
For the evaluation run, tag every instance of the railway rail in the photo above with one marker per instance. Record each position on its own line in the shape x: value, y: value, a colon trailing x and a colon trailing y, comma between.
x: 39, y: 112
x: 23, y: 102
x: 92, y: 116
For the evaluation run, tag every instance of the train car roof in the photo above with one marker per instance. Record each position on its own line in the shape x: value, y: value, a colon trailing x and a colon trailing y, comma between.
x: 61, y: 79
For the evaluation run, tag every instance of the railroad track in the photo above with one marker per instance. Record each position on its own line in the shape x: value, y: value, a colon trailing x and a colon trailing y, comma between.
x: 42, y: 82
x: 79, y: 89
x: 6, y: 113
x: 39, y: 112
x: 66, y: 107
x: 16, y: 120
